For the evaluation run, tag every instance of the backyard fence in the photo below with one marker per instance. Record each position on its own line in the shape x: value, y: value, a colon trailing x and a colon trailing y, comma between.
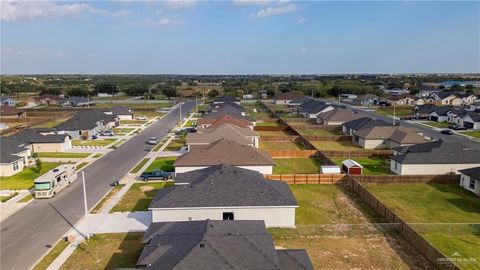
x: 329, y: 138
x: 361, y: 153
x: 286, y: 138
x: 387, y: 179
x: 413, y: 237
x: 290, y: 153
x: 270, y: 128
x: 300, y: 120
x: 307, y: 178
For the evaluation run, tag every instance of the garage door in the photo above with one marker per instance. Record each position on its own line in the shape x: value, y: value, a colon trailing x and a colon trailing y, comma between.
x: 434, y: 118
x: 468, y: 124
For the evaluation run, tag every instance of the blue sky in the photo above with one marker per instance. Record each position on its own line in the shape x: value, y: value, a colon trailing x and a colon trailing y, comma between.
x: 239, y: 37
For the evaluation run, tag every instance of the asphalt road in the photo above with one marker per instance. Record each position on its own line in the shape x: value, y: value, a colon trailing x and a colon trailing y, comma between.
x: 27, y: 235
x: 425, y: 130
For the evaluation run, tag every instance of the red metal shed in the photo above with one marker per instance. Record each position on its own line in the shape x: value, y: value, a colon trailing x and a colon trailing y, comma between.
x: 351, y: 167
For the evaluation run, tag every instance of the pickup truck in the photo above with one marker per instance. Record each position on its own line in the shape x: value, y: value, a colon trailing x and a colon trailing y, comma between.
x: 158, y: 174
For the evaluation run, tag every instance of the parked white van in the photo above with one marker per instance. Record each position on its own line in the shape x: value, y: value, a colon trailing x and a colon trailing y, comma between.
x: 49, y: 184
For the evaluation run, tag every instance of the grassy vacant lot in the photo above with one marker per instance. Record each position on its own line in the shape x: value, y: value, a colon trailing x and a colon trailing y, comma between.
x: 399, y: 110
x: 149, y: 114
x: 122, y: 131
x: 437, y: 203
x: 107, y: 198
x: 51, y: 124
x: 97, y: 142
x: 437, y: 124
x: 274, y: 133
x: 51, y: 256
x: 132, y: 122
x: 139, y: 165
x: 138, y: 197
x: 320, y: 132
x: 336, y: 146
x: 62, y: 155
x: 162, y: 163
x: 323, y: 209
x: 279, y: 145
x: 296, y: 165
x: 24, y: 179
x: 371, y: 165
x: 107, y: 251
x: 475, y: 134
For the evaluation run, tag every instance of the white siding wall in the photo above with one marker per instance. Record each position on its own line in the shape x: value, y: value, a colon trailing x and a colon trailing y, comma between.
x: 273, y: 216
x: 52, y: 147
x: 465, y: 183
x: 260, y: 169
x: 372, y: 144
x: 407, y: 169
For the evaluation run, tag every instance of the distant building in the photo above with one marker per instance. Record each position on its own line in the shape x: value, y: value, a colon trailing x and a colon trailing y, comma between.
x: 366, y: 100
x: 14, y: 156
x: 48, y: 99
x: 7, y: 101
x: 285, y: 98
x: 11, y: 112
x: 76, y: 102
x: 470, y: 180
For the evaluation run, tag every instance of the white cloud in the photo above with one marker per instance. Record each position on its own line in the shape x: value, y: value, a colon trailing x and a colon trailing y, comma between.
x: 163, y: 22
x: 179, y: 4
x: 251, y: 2
x: 273, y: 11
x: 13, y: 11
x: 301, y: 20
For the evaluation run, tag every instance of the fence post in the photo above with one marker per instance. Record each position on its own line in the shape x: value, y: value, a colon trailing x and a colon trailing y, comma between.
x: 294, y: 176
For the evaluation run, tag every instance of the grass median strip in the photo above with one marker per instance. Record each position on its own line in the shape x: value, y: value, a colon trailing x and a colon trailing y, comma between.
x: 26, y: 198
x: 97, y: 142
x: 8, y: 198
x: 97, y: 155
x: 62, y: 155
x: 142, y: 163
x: 51, y: 256
x: 107, y: 198
x: 139, y: 196
x: 81, y: 165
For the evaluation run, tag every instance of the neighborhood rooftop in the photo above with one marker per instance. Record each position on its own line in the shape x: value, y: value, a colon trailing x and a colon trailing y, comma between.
x: 444, y: 153
x: 9, y: 150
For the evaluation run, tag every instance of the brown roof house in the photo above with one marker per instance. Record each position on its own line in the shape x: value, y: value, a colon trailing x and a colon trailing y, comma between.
x: 387, y: 137
x: 225, y: 119
x: 285, y: 98
x: 240, y: 135
x: 226, y: 152
x: 11, y: 112
x: 336, y: 117
x: 48, y: 99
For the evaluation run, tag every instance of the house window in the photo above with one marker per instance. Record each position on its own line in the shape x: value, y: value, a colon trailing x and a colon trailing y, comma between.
x: 15, y: 165
x: 80, y: 132
x: 395, y: 165
x: 472, y: 183
x: 228, y: 216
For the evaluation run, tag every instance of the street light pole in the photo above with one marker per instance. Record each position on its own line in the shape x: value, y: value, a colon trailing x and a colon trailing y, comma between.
x: 180, y: 113
x: 394, y: 114
x: 85, y: 204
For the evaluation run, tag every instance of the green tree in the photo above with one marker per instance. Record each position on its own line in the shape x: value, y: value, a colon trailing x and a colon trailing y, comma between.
x: 213, y: 93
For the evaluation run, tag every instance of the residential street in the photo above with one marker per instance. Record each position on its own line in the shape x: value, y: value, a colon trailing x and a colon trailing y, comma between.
x: 426, y: 130
x: 29, y: 233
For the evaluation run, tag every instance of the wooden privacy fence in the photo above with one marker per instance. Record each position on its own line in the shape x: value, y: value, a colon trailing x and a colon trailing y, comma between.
x: 310, y: 127
x: 354, y: 154
x: 270, y: 128
x: 290, y: 153
x: 329, y: 138
x: 307, y: 178
x: 299, y: 120
x: 414, y: 238
x: 286, y: 138
x: 23, y: 119
x: 388, y: 179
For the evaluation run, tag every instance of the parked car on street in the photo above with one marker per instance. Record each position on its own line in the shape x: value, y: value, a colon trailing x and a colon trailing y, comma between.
x: 157, y: 174
x: 457, y: 127
x: 407, y: 117
x: 108, y: 133
x: 152, y: 142
x: 447, y: 132
x: 141, y: 118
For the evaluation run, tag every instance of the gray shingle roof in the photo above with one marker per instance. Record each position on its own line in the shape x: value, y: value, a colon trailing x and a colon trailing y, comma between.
x: 226, y: 99
x: 312, y: 107
x: 338, y: 115
x: 443, y: 153
x: 472, y: 172
x: 289, y: 96
x: 365, y: 122
x: 230, y: 132
x: 216, y: 245
x: 85, y: 120
x: 474, y: 116
x: 9, y: 150
x: 225, y: 186
x: 35, y: 136
x: 441, y: 111
x: 119, y: 110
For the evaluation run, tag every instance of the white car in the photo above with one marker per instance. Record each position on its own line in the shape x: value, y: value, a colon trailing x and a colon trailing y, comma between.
x: 108, y: 133
x: 141, y: 118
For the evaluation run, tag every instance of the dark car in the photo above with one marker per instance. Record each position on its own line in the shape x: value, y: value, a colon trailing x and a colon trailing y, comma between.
x: 157, y: 174
x: 447, y: 132
x: 457, y: 127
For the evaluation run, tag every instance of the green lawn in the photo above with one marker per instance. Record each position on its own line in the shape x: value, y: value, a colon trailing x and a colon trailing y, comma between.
x: 62, y: 155
x: 175, y: 145
x: 436, y: 203
x: 399, y: 110
x: 371, y: 165
x: 336, y: 146
x: 107, y: 198
x: 26, y: 198
x: 191, y: 123
x: 97, y: 155
x: 107, y: 251
x: 24, y: 179
x: 279, y: 145
x: 97, y: 142
x: 320, y: 132
x: 149, y: 114
x: 132, y: 122
x: 274, y: 133
x: 267, y: 124
x: 162, y: 163
x: 437, y: 124
x: 51, y: 124
x: 7, y: 198
x: 139, y: 165
x: 475, y: 134
x: 138, y: 197
x: 81, y: 165
x: 51, y: 256
x: 296, y: 165
x: 122, y: 131
x: 137, y: 107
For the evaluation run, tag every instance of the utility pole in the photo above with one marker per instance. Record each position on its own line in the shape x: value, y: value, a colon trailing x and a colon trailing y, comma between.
x: 394, y: 114
x: 85, y: 204
x: 338, y: 99
x: 180, y: 113
x: 88, y: 99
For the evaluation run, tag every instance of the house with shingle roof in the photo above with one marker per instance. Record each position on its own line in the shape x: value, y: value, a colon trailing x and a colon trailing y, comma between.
x: 7, y: 101
x: 14, y: 156
x: 365, y: 122
x: 312, y: 108
x: 87, y: 123
x: 241, y: 135
x: 224, y: 151
x: 366, y: 100
x: 76, y: 102
x: 437, y: 157
x: 439, y: 113
x: 48, y: 99
x: 216, y: 244
x: 224, y: 192
x: 287, y: 97
x: 336, y: 117
x: 43, y: 140
x: 233, y: 113
x: 378, y: 137
x: 471, y: 120
x: 470, y: 180
x: 226, y: 99
x: 226, y: 119
x: 11, y: 112
x: 123, y: 113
